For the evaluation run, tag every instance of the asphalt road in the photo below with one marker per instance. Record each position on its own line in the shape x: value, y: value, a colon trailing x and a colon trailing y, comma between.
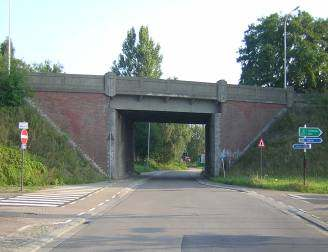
x: 173, y: 212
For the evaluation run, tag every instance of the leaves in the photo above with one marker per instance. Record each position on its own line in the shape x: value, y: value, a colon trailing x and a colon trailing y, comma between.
x: 262, y: 55
x: 139, y: 58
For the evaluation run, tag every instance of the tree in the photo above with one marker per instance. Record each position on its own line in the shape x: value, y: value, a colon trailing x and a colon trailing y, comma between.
x: 47, y: 67
x: 12, y: 85
x: 196, y: 145
x: 139, y: 58
x: 262, y: 54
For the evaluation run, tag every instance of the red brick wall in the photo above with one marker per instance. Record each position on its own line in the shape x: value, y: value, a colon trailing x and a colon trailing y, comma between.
x: 82, y: 116
x: 242, y: 121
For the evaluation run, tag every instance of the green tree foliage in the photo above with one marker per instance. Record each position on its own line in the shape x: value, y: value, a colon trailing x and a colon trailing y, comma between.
x: 47, y: 67
x: 196, y: 145
x: 141, y: 57
x: 12, y: 85
x: 262, y: 54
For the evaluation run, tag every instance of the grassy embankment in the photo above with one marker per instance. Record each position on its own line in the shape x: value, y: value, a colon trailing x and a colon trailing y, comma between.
x: 155, y: 166
x: 49, y: 159
x: 283, y: 166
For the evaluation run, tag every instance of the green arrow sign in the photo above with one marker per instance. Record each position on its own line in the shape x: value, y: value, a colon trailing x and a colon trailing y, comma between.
x: 309, y: 132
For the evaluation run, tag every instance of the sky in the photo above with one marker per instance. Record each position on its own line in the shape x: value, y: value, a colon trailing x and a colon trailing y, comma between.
x: 199, y: 39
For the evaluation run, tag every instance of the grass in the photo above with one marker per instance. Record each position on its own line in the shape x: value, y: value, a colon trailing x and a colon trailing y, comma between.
x: 156, y: 166
x: 280, y: 161
x: 313, y: 185
x: 50, y: 160
x: 27, y: 188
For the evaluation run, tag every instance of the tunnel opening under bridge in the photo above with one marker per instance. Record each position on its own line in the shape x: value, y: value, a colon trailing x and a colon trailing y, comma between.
x: 122, y: 142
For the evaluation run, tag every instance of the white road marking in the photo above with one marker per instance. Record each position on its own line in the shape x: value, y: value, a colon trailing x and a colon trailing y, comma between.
x: 57, y: 197
x: 90, y: 210
x: 62, y: 222
x: 114, y: 196
x: 100, y: 204
x: 81, y: 214
x: 23, y: 228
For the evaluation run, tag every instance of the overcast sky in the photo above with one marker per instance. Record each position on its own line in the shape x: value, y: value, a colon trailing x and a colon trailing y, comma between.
x: 199, y: 39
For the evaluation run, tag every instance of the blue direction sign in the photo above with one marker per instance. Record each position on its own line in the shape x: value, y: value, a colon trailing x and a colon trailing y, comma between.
x: 310, y: 140
x: 301, y: 146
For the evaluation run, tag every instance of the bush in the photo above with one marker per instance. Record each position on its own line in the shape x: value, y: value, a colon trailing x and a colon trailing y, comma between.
x: 35, y: 173
x: 12, y: 86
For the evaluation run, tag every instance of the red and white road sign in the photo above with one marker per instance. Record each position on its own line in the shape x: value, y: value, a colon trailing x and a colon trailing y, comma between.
x: 24, y: 136
x: 261, y: 143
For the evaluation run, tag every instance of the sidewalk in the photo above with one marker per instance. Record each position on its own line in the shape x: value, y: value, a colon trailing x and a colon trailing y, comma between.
x: 26, y: 228
x: 311, y: 207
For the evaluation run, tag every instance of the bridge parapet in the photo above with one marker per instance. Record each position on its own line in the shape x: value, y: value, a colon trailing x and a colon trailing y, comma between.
x: 66, y: 82
x: 112, y: 85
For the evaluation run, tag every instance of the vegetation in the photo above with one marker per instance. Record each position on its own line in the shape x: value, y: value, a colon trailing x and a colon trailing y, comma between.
x: 262, y: 54
x: 49, y: 157
x: 280, y: 161
x: 313, y: 185
x: 141, y: 57
x: 46, y: 67
x: 156, y: 166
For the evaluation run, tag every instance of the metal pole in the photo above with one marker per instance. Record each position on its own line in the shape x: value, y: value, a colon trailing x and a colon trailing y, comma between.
x: 261, y: 162
x: 148, y: 143
x: 110, y: 156
x: 304, y: 163
x: 304, y: 167
x: 285, y: 46
x: 21, y: 173
x: 285, y: 53
x: 9, y: 39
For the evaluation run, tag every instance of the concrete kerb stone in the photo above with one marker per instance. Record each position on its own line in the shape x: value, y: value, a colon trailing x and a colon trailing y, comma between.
x: 276, y: 204
x: 37, y: 236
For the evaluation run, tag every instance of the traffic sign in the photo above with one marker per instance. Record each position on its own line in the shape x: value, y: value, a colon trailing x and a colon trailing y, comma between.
x: 23, y: 125
x: 261, y: 143
x: 310, y: 140
x: 301, y: 146
x: 309, y: 132
x: 24, y: 136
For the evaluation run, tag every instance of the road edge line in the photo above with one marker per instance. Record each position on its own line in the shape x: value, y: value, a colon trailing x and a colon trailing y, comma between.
x: 281, y: 206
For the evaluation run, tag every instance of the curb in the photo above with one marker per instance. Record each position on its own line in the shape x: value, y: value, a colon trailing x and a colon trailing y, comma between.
x: 42, y: 241
x: 279, y: 205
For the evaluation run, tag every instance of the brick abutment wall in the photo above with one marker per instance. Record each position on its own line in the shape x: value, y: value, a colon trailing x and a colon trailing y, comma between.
x: 87, y: 108
x: 83, y: 116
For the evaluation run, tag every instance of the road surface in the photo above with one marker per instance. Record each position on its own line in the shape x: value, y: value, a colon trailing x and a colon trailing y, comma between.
x: 173, y: 212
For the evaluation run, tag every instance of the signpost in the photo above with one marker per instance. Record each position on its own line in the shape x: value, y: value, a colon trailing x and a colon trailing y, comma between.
x: 24, y: 138
x: 261, y: 146
x: 307, y: 136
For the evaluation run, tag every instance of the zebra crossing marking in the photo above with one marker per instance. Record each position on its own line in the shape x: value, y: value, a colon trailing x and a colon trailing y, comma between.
x: 56, y: 197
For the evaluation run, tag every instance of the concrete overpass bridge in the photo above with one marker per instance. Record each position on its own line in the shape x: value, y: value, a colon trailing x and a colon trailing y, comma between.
x: 99, y: 111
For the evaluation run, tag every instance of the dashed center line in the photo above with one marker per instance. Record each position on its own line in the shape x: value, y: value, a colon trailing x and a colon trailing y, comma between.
x: 100, y: 204
x: 91, y: 209
x: 81, y: 214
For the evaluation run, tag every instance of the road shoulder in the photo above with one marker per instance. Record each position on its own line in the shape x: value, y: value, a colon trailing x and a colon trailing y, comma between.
x: 314, y: 214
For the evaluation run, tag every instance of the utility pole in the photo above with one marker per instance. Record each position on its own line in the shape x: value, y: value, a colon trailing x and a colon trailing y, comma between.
x: 148, y: 143
x: 9, y: 37
x: 285, y: 46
